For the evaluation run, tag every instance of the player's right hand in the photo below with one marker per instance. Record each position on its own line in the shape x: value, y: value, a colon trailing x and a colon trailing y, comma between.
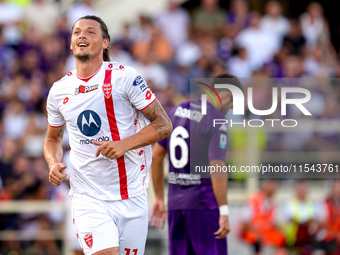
x: 158, y: 214
x: 224, y: 227
x: 55, y: 175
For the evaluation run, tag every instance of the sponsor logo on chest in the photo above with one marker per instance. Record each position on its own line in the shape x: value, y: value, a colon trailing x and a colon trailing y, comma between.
x: 86, y: 89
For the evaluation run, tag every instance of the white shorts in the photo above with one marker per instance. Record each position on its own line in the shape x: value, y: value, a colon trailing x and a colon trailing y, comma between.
x: 104, y: 224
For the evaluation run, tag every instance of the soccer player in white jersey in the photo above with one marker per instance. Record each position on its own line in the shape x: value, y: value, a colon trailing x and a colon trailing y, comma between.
x: 112, y: 118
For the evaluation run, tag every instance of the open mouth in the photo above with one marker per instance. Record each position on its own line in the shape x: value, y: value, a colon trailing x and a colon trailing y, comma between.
x: 83, y: 44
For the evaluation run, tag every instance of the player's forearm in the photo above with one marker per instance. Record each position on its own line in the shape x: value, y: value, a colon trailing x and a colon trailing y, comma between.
x: 157, y: 173
x: 219, y: 183
x: 220, y: 190
x: 158, y: 129
x: 157, y: 178
x: 53, y: 151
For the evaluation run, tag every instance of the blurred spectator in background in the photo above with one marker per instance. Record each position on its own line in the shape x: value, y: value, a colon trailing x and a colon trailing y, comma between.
x: 31, y: 64
x: 208, y: 18
x: 174, y: 24
x: 274, y: 23
x: 302, y: 217
x: 201, y: 68
x: 42, y: 15
x: 314, y: 25
x: 81, y: 9
x: 15, y: 120
x: 30, y: 41
x: 274, y: 67
x: 328, y: 238
x: 4, y: 57
x: 320, y: 62
x: 10, y: 18
x: 238, y: 16
x: 124, y: 39
x: 185, y: 57
x: 155, y: 47
x: 225, y: 46
x: 10, y: 150
x: 293, y: 41
x: 259, y: 226
x: 154, y: 73
x: 119, y: 55
x: 259, y: 44
x: 22, y: 178
x: 238, y: 65
x: 237, y: 19
x: 292, y: 67
x: 52, y: 53
x: 34, y: 136
x: 141, y: 30
x: 63, y: 33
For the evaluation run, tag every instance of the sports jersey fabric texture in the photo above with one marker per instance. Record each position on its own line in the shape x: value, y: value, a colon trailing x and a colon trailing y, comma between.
x: 188, y: 190
x: 104, y: 108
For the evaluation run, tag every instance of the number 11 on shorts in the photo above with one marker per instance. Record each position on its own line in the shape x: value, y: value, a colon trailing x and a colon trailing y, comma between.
x: 128, y: 251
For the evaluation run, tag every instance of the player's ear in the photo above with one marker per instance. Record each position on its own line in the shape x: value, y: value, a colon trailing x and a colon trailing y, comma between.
x: 230, y: 96
x: 224, y: 95
x: 106, y: 43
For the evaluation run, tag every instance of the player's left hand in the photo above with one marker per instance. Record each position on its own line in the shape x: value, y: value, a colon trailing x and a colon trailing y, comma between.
x: 224, y: 229
x: 158, y: 214
x: 110, y: 149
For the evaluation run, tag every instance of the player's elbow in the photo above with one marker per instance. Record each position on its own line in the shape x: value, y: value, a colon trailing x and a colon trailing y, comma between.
x: 167, y: 127
x: 163, y: 126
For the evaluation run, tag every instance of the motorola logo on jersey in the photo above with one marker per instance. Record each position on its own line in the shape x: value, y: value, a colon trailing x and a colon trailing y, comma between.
x: 89, y: 123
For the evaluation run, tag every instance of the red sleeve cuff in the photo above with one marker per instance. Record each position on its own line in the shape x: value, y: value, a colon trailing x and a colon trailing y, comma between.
x: 148, y: 104
x: 56, y: 126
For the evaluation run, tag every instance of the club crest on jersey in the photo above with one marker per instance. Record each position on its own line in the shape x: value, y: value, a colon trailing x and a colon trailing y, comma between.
x: 85, y: 89
x: 107, y: 89
x: 138, y: 81
x: 88, y: 240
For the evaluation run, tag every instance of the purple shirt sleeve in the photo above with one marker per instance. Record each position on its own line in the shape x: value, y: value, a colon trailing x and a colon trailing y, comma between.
x: 163, y: 143
x: 217, y: 148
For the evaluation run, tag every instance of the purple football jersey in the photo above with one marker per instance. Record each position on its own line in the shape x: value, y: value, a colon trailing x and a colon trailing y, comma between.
x: 193, y: 142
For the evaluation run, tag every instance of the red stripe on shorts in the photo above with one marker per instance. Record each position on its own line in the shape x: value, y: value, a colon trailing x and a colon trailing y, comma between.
x: 110, y: 111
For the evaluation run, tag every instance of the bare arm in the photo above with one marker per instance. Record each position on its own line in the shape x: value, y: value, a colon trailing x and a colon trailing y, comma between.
x: 157, y: 173
x: 219, y: 183
x: 158, y: 213
x: 53, y: 153
x: 159, y: 128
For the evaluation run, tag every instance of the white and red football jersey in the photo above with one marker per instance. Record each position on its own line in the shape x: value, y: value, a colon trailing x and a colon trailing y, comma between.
x: 104, y: 107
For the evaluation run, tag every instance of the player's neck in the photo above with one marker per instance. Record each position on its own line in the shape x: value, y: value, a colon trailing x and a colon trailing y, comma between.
x: 87, y: 69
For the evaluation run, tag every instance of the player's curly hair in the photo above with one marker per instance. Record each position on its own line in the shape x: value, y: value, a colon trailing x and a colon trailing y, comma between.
x: 105, y: 32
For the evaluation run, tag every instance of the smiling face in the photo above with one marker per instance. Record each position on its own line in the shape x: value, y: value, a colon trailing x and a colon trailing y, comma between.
x: 87, y: 40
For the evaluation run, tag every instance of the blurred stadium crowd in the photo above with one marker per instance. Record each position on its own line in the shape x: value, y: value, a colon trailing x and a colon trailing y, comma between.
x: 167, y: 50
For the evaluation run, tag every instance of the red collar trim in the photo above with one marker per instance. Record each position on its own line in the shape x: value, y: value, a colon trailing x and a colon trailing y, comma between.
x: 89, y: 78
